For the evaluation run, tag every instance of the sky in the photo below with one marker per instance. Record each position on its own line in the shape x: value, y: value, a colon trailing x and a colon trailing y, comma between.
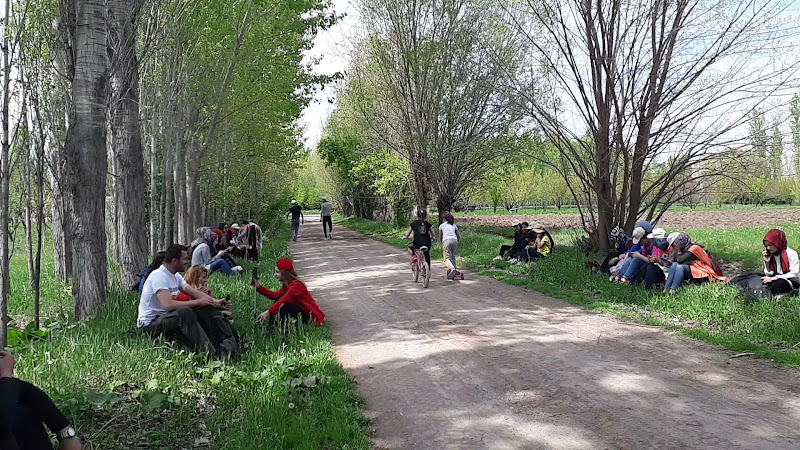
x: 331, y: 46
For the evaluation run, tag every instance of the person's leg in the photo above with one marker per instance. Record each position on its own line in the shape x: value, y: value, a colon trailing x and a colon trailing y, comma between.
x: 611, y: 255
x: 633, y: 266
x: 287, y: 312
x: 427, y: 254
x: 324, y: 228
x: 327, y: 220
x: 295, y: 228
x: 671, y: 276
x: 222, y: 266
x: 450, y: 249
x: 182, y: 321
x: 678, y: 272
x: 653, y: 275
x: 219, y: 331
x: 504, y: 249
x: 780, y: 286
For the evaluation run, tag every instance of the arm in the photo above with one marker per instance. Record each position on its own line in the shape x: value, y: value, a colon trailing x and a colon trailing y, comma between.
x: 272, y: 295
x: 685, y: 258
x: 200, y: 299
x: 51, y: 416
x: 408, y: 233
x: 302, y: 217
x: 458, y: 235
x: 794, y: 269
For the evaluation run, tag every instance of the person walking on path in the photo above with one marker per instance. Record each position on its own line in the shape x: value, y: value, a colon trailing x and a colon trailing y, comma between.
x: 297, y: 218
x: 449, y: 237
x: 325, y: 211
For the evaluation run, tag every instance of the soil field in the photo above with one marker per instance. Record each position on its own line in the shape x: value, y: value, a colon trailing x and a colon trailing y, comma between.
x: 678, y: 220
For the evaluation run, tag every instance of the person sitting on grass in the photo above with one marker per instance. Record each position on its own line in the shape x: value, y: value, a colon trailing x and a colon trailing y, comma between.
x: 781, y: 274
x: 197, y: 322
x: 649, y: 254
x: 539, y: 246
x: 639, y: 247
x: 518, y: 232
x: 197, y: 277
x: 656, y: 269
x: 292, y: 300
x: 689, y: 261
x: 201, y: 256
x: 25, y: 410
x: 423, y: 235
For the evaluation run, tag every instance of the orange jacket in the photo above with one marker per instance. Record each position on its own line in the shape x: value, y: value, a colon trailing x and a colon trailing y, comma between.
x: 702, y: 267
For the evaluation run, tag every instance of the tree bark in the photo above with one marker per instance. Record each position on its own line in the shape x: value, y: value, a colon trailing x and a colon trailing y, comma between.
x: 86, y: 153
x: 155, y: 230
x: 180, y: 187
x: 5, y: 174
x: 126, y: 142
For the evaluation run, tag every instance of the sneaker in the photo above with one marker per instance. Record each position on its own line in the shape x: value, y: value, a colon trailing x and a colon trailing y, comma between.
x: 294, y: 238
x: 208, y: 268
x: 623, y: 280
x: 451, y: 274
x: 238, y: 269
x: 512, y: 260
x: 497, y: 258
x: 611, y: 278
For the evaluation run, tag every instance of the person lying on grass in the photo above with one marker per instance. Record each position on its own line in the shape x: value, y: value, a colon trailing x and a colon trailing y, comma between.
x: 292, y: 300
x: 197, y: 277
x: 690, y: 261
x: 24, y: 410
x: 781, y: 269
x: 198, y: 322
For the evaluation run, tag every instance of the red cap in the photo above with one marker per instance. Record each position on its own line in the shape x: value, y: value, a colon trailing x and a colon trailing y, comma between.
x: 285, y: 264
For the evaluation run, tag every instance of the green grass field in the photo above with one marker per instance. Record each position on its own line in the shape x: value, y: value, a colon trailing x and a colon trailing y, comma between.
x: 123, y: 390
x: 711, y: 312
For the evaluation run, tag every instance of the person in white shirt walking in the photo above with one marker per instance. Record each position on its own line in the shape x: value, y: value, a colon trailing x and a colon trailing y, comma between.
x: 325, y: 212
x: 449, y: 237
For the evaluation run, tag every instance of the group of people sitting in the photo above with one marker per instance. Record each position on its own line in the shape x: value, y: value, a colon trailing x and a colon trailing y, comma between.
x: 654, y: 257
x: 531, y: 242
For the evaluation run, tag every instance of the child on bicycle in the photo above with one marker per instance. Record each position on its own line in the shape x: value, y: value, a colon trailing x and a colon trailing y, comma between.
x: 423, y: 234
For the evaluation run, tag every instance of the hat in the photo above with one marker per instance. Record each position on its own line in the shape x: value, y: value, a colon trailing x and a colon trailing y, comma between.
x: 535, y: 227
x: 644, y: 224
x: 294, y: 202
x: 285, y: 264
x: 235, y: 225
x: 658, y: 233
x: 324, y: 199
x: 514, y: 222
x: 638, y: 234
x: 671, y: 238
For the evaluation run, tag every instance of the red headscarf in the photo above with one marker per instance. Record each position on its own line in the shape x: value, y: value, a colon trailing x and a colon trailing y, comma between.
x: 285, y: 264
x: 778, y: 239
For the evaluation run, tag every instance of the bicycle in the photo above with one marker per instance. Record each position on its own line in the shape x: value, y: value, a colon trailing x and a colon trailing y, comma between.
x: 420, y: 267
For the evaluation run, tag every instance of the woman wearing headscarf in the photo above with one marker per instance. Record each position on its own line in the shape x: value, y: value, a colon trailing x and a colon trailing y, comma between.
x: 781, y: 269
x: 201, y: 256
x: 689, y: 261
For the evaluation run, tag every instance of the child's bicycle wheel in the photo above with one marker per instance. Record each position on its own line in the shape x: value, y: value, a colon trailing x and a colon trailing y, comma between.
x: 414, y: 272
x: 426, y: 274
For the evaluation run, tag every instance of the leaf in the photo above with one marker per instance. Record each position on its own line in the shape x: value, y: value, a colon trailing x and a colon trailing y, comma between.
x: 16, y: 338
x: 98, y: 398
x: 152, y: 400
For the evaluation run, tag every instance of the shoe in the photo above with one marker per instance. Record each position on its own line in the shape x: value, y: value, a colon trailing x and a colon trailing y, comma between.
x: 330, y: 235
x: 623, y: 280
x: 294, y: 238
x: 238, y: 269
x: 512, y: 260
x: 451, y: 274
x: 611, y: 278
x: 208, y: 268
x: 497, y: 258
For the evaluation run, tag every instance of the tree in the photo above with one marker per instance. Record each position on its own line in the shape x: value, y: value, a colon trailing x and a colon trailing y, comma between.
x: 649, y: 81
x: 85, y: 149
x: 794, y: 126
x: 126, y: 141
x: 775, y: 162
x: 433, y: 77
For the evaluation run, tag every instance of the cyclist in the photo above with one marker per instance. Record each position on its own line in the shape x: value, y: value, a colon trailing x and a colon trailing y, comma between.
x: 423, y: 234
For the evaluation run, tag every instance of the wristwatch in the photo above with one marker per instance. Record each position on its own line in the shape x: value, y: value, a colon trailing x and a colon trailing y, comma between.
x: 66, y: 433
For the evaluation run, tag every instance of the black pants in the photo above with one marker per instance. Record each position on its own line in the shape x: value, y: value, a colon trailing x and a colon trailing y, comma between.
x: 530, y: 255
x: 427, y: 253
x: 505, y: 248
x: 289, y: 311
x: 326, y: 220
x: 202, y: 330
x: 651, y: 274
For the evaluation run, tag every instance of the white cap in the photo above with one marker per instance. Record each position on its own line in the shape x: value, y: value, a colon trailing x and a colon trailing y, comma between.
x: 514, y: 222
x: 294, y: 202
x: 671, y: 238
x: 638, y: 234
x: 658, y: 233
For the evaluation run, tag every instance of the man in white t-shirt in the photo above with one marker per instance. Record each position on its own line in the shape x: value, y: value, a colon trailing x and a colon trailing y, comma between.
x: 160, y: 312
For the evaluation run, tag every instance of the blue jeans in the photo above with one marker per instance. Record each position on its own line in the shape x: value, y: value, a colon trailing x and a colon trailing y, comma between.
x: 222, y: 266
x: 295, y: 227
x: 634, y: 264
x: 677, y: 273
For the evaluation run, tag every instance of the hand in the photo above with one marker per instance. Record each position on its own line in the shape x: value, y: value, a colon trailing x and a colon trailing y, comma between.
x: 262, y: 317
x: 7, y: 363
x: 222, y: 253
x: 768, y: 280
x: 766, y: 256
x: 206, y: 301
x: 227, y: 314
x: 254, y: 281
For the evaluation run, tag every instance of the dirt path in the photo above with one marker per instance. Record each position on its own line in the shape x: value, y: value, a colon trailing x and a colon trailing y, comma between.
x: 481, y: 364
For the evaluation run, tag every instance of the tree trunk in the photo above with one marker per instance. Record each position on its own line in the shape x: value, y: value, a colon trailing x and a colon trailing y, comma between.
x: 179, y: 184
x: 155, y: 230
x: 167, y: 195
x: 126, y: 143
x: 5, y: 174
x: 443, y: 204
x: 85, y: 151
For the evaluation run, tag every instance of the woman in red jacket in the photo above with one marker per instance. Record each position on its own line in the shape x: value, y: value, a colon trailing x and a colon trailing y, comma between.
x: 291, y: 300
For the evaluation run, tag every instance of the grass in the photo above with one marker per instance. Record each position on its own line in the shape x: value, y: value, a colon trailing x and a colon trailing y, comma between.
x: 550, y: 209
x: 710, y: 312
x: 123, y: 390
